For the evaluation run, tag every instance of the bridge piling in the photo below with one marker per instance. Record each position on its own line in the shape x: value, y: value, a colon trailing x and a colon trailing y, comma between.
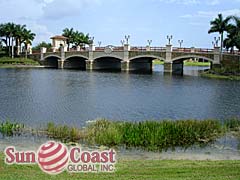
x: 168, y: 67
x: 216, y: 57
x: 42, y: 52
x: 62, y: 60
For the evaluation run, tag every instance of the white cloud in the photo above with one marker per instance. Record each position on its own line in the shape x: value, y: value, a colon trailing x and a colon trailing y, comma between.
x: 212, y: 14
x: 185, y: 2
x: 34, y: 13
x: 13, y: 10
x: 213, y: 2
x: 57, y: 9
x: 42, y: 32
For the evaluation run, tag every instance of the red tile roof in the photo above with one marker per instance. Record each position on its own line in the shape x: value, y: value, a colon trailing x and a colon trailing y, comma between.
x: 59, y: 37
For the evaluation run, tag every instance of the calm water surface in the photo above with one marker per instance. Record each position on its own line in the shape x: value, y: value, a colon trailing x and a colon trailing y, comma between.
x: 37, y: 96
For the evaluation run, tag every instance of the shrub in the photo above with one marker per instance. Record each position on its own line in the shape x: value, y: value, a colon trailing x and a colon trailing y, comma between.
x: 9, y: 129
x: 63, y: 133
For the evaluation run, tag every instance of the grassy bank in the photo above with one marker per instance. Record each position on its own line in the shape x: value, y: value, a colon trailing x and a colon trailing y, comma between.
x: 15, y: 62
x: 157, y: 62
x: 140, y: 169
x: 218, y: 76
x: 186, y: 63
x: 147, y: 135
x: 223, y: 73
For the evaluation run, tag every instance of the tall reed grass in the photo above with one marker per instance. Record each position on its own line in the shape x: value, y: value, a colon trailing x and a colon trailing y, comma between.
x: 154, y: 135
x: 8, y: 128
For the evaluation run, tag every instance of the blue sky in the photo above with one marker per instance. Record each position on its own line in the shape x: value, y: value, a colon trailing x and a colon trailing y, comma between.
x: 109, y: 20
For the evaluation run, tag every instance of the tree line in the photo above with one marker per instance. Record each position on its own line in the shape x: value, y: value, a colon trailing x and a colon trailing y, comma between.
x: 14, y: 36
x: 74, y: 39
x: 230, y: 25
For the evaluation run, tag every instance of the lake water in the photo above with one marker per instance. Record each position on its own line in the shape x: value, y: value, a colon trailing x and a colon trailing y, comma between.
x: 37, y: 96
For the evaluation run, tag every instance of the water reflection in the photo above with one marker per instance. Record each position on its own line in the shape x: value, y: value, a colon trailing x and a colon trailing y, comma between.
x: 37, y: 96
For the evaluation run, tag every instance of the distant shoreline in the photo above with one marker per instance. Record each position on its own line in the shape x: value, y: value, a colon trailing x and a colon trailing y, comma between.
x: 207, y: 64
x: 8, y: 62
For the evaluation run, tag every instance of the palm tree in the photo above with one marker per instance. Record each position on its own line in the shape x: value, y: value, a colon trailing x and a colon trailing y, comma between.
x: 42, y: 44
x: 229, y: 43
x: 28, y: 37
x: 10, y: 32
x: 4, y: 33
x: 80, y: 39
x: 86, y: 39
x: 19, y: 29
x: 7, y: 31
x: 219, y: 25
x: 233, y: 38
x: 69, y: 33
x: 234, y: 31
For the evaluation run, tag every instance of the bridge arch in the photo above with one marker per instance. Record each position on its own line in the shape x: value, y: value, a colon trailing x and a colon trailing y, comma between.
x: 191, y: 56
x: 143, y: 63
x: 79, y: 56
x: 50, y: 56
x: 110, y: 62
x: 109, y: 56
x: 51, y: 61
x: 75, y: 62
x: 152, y: 57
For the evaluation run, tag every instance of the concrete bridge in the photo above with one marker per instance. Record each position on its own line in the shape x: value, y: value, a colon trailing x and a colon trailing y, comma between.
x: 128, y: 58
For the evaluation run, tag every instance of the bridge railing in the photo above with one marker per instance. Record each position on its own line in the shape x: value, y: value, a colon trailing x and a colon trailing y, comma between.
x: 144, y: 48
x: 231, y: 52
x: 118, y: 48
x: 114, y: 48
x: 203, y: 50
x: 197, y: 50
x: 99, y: 48
x: 157, y: 48
x: 176, y: 49
x: 138, y: 48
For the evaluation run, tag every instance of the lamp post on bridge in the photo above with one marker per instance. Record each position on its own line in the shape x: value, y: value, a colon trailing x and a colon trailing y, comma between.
x: 180, y: 43
x: 169, y: 39
x: 122, y: 42
x: 127, y: 37
x: 149, y: 42
x: 91, y: 45
x: 215, y: 42
x: 91, y: 39
x: 99, y: 43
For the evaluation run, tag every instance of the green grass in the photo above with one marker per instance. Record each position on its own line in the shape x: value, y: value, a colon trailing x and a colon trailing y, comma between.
x: 9, y: 62
x: 148, y: 135
x: 186, y: 63
x: 224, y: 72
x: 158, y: 62
x: 154, y: 135
x: 64, y: 133
x: 219, y: 76
x: 138, y: 169
x: 9, y: 129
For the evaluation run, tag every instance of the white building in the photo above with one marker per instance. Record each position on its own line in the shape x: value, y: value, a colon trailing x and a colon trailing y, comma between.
x: 58, y: 41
